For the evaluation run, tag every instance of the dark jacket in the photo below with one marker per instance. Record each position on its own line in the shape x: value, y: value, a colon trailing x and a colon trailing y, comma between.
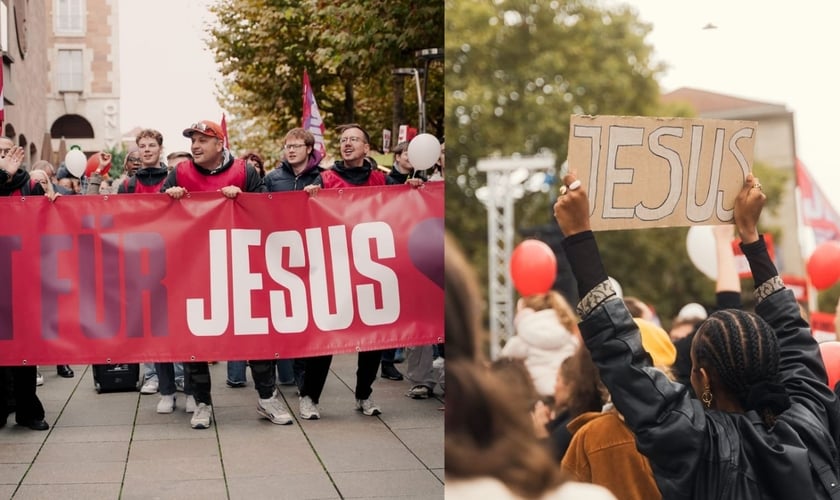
x: 19, y: 183
x: 357, y: 176
x: 699, y: 453
x: 283, y: 178
x: 148, y: 176
x: 398, y: 177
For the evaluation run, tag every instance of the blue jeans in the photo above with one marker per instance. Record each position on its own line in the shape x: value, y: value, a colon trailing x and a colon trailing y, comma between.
x: 167, y: 373
x: 236, y: 372
x: 285, y: 371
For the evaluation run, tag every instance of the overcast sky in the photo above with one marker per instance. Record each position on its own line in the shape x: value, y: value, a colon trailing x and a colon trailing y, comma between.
x: 167, y: 73
x: 766, y: 51
x: 760, y: 50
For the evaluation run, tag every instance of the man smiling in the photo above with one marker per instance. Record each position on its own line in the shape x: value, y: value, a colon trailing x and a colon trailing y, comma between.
x: 213, y: 168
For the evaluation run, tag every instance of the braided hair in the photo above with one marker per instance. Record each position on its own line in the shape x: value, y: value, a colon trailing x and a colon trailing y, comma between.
x: 742, y: 349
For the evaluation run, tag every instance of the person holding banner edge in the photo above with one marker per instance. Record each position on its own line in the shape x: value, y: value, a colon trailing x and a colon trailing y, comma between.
x: 213, y: 168
x: 766, y: 422
x: 299, y: 168
x: 19, y: 380
x: 352, y: 170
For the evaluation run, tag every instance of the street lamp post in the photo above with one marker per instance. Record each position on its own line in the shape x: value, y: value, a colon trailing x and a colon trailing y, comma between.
x: 421, y: 105
x: 427, y: 56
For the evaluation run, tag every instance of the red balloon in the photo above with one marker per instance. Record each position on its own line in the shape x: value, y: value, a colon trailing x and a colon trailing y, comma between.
x: 831, y: 358
x: 533, y: 267
x: 93, y: 162
x: 824, y: 265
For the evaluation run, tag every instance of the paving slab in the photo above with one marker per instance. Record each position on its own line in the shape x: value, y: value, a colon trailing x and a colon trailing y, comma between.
x: 116, y: 445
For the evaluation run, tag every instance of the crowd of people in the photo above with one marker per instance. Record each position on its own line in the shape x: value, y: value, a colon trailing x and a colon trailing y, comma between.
x: 211, y: 166
x: 729, y: 403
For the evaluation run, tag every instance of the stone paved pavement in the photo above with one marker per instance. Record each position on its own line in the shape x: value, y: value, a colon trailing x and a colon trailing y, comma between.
x: 115, y: 446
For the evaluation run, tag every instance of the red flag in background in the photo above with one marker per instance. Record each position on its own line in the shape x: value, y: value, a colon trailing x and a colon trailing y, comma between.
x: 311, y: 120
x: 2, y: 99
x: 224, y: 131
x: 817, y: 211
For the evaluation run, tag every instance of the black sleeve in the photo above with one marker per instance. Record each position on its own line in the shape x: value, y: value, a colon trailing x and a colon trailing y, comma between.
x: 584, y: 260
x: 171, y: 180
x: 253, y: 182
x: 760, y: 264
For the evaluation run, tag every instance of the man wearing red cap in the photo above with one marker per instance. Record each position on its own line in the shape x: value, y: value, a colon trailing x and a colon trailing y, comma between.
x: 213, y: 168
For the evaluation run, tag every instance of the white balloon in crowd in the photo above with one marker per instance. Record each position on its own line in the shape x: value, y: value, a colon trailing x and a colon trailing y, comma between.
x: 75, y: 161
x: 423, y: 151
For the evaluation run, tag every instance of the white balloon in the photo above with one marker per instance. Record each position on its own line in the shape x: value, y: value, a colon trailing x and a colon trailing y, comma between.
x: 76, y: 162
x: 423, y: 151
x: 700, y: 244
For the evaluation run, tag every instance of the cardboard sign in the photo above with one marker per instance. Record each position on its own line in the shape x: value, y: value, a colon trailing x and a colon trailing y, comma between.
x: 658, y: 172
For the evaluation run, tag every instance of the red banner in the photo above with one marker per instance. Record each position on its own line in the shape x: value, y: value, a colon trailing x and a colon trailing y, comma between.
x: 98, y: 279
x: 817, y: 211
x: 822, y: 326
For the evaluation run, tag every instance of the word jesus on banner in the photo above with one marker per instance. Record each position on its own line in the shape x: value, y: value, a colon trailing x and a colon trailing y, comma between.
x: 115, y: 279
x: 656, y: 172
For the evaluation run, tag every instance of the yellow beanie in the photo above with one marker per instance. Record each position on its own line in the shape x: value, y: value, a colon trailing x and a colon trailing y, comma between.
x: 657, y: 343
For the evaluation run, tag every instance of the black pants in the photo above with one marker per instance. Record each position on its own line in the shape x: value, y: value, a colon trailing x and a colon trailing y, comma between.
x: 264, y: 376
x: 367, y: 366
x: 17, y: 394
x: 199, y: 374
x: 311, y: 375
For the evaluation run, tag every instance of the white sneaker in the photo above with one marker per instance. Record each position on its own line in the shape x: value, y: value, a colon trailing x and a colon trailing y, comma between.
x: 39, y: 379
x: 166, y: 404
x: 190, y: 405
x: 202, y: 417
x: 368, y: 407
x: 150, y: 386
x: 274, y: 410
x: 308, y: 409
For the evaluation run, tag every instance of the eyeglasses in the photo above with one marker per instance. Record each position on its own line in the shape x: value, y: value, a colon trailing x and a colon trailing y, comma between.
x: 205, y: 129
x: 135, y: 160
x: 345, y: 140
x: 289, y: 147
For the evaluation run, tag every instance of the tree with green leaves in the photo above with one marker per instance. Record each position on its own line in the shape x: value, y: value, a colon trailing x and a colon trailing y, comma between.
x: 349, y: 50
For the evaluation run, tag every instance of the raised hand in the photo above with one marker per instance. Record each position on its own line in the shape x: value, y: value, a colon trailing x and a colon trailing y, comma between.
x: 11, y: 162
x: 748, y: 206
x: 572, y: 207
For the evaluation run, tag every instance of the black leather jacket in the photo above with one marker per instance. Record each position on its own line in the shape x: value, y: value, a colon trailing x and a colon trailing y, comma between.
x: 698, y: 453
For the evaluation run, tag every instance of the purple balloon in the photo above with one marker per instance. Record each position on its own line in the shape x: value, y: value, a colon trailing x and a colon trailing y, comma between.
x: 425, y: 247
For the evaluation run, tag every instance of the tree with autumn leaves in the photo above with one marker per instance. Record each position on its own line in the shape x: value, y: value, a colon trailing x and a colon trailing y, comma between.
x: 349, y: 50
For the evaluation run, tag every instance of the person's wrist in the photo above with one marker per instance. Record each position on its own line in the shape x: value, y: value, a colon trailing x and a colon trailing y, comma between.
x: 748, y: 237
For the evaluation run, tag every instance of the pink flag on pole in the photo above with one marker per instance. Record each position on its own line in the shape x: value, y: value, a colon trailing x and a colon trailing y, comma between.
x: 312, y: 117
x: 2, y: 99
x: 224, y: 131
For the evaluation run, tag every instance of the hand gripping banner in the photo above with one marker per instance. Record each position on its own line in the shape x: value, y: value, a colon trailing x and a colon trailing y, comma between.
x: 140, y: 278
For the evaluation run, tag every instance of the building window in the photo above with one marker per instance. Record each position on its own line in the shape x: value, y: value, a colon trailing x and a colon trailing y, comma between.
x: 69, y: 16
x: 70, y: 74
x: 4, y: 27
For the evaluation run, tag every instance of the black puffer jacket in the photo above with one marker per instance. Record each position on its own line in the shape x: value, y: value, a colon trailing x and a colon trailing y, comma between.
x: 283, y: 177
x: 701, y: 454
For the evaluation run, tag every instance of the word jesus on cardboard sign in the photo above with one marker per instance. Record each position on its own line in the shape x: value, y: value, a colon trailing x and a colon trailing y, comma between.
x: 658, y: 172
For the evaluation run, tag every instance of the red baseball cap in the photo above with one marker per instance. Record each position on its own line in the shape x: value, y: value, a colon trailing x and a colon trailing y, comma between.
x: 205, y: 127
